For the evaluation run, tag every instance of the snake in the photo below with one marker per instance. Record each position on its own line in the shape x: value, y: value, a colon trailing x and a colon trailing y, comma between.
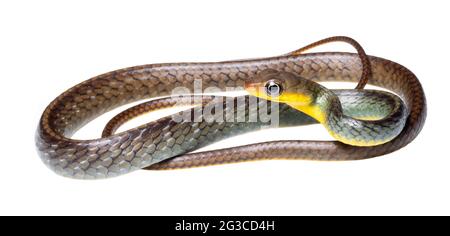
x: 365, y: 123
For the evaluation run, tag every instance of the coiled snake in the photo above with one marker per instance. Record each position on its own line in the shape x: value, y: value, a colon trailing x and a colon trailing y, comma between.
x: 387, y: 124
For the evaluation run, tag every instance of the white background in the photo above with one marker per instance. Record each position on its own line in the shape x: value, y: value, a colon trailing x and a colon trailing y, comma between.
x: 48, y: 46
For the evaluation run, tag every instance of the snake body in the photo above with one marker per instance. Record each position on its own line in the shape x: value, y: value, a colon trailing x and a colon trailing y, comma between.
x: 163, y: 144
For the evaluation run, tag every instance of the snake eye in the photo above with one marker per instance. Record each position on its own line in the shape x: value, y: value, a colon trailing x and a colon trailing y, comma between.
x: 273, y: 88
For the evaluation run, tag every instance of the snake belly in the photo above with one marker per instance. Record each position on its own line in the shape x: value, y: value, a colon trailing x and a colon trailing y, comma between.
x: 159, y: 145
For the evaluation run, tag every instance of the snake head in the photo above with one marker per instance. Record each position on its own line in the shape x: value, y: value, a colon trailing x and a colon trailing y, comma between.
x: 281, y: 87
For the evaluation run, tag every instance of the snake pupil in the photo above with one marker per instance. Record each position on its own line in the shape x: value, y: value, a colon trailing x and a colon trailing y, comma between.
x: 273, y: 88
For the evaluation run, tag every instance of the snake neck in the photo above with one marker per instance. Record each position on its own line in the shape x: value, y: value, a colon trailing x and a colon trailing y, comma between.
x: 323, y: 106
x: 326, y: 108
